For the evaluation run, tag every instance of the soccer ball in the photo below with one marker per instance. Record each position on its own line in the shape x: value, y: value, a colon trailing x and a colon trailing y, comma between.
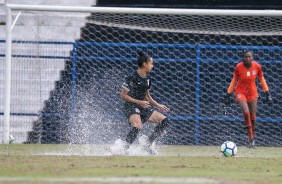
x: 228, y: 148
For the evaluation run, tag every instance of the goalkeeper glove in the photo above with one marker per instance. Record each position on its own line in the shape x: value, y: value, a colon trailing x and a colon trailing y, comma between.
x: 268, y: 98
x: 228, y: 99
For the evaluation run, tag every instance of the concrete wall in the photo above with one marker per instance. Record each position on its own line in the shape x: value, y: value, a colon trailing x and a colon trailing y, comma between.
x: 34, y: 79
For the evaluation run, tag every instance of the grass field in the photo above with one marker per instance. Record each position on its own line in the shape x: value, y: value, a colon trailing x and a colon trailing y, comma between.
x: 39, y: 163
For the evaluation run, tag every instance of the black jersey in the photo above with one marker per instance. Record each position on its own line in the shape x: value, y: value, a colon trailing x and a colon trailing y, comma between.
x: 137, y: 86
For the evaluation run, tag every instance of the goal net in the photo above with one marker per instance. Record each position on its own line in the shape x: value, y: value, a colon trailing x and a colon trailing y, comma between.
x: 68, y: 64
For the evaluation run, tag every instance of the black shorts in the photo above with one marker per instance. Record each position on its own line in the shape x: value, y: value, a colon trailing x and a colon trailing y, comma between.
x: 145, y: 113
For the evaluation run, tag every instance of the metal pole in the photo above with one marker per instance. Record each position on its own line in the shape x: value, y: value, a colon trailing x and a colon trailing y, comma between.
x: 153, y: 11
x: 7, y: 95
x: 198, y: 94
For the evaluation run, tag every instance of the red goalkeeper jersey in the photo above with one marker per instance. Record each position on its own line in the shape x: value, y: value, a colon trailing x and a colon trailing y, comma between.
x: 246, y: 78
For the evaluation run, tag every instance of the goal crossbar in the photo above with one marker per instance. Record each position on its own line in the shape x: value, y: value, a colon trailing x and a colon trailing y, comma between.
x: 153, y: 11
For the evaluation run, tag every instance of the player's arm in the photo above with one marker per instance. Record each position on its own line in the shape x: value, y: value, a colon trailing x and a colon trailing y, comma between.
x: 263, y: 83
x: 268, y: 98
x: 154, y: 103
x: 124, y: 95
x: 232, y: 85
x: 227, y: 99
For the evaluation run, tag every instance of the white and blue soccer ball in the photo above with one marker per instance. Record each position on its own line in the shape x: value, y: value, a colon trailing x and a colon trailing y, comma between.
x: 228, y: 148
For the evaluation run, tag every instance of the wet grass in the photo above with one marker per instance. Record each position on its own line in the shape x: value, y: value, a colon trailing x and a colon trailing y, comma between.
x: 32, y: 163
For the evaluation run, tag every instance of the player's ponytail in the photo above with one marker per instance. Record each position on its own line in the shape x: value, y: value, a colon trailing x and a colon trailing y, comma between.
x: 142, y: 58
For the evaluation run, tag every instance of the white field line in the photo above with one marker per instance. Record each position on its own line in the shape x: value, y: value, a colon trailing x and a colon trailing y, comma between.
x: 112, y: 180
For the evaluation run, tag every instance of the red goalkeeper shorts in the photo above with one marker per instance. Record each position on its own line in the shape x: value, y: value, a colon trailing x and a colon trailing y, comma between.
x: 239, y: 96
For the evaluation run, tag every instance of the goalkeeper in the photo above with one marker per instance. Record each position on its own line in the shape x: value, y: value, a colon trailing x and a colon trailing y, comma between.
x: 246, y: 94
x: 138, y: 106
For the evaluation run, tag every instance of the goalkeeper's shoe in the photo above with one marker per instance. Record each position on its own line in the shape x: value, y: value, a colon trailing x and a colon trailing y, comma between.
x: 146, y: 145
x: 251, y: 143
x: 119, y: 148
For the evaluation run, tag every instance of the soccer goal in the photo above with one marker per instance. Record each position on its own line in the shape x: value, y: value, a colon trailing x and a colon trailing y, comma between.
x: 64, y: 67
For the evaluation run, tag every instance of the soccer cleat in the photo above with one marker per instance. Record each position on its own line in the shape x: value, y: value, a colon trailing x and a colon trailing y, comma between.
x: 119, y: 148
x: 251, y: 143
x: 146, y: 145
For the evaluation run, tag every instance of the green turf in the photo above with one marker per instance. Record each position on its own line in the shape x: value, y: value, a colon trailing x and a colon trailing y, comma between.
x: 34, y: 162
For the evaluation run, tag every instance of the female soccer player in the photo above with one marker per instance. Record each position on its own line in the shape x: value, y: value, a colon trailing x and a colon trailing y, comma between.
x: 246, y: 93
x: 137, y: 105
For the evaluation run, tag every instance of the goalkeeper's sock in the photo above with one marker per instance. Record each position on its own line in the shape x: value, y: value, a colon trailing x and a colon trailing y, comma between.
x: 132, y: 134
x: 158, y: 130
x: 253, y: 120
x: 248, y: 125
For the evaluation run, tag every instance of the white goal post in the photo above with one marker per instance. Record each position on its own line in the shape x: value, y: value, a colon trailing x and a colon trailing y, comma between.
x: 112, y: 10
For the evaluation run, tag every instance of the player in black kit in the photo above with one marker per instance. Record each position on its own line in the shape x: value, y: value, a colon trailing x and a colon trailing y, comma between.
x: 138, y: 106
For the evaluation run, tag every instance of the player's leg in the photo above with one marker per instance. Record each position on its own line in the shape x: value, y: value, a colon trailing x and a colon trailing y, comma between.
x: 241, y: 98
x: 247, y: 119
x: 162, y: 121
x: 136, y: 125
x: 152, y: 117
x: 134, y: 118
x: 253, y: 111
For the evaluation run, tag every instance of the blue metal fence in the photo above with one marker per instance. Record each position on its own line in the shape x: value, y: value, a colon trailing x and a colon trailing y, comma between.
x: 199, y: 54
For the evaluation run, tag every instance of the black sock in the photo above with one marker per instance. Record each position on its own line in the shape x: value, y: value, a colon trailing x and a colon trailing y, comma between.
x: 159, y: 130
x: 132, y: 134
